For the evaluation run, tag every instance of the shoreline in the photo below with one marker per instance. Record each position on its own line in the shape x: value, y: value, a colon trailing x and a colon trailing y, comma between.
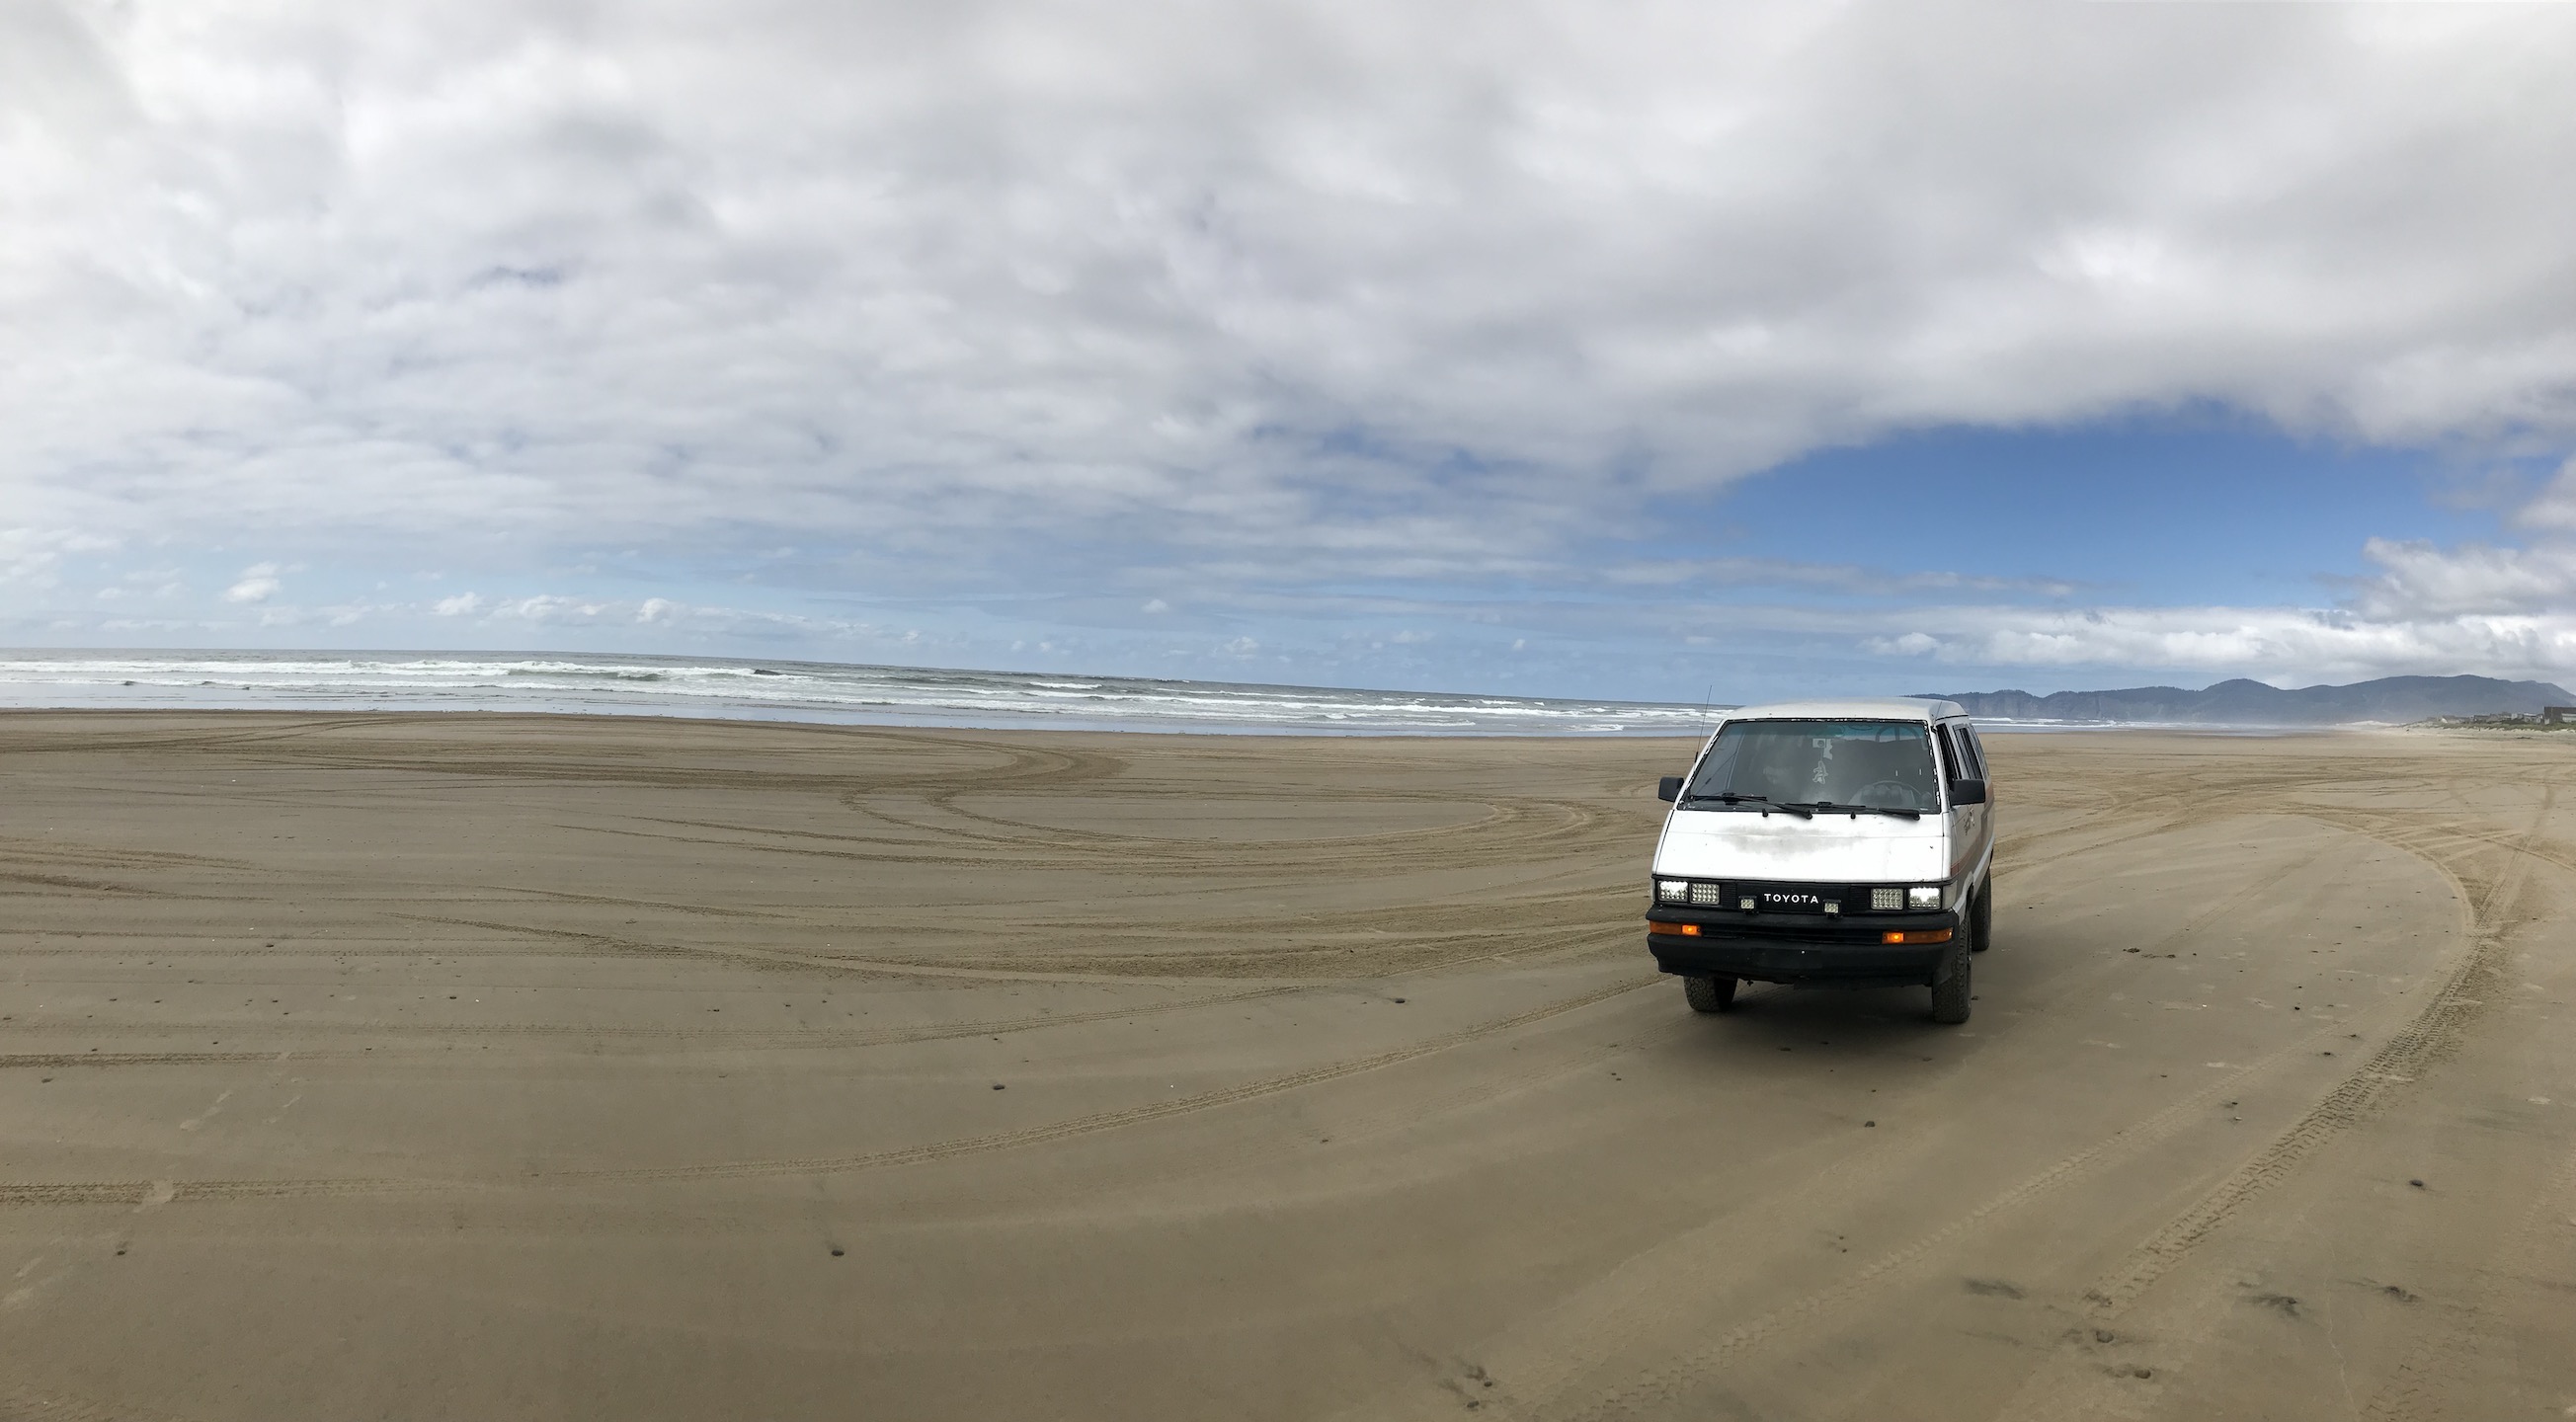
x: 736, y: 688
x: 1070, y: 726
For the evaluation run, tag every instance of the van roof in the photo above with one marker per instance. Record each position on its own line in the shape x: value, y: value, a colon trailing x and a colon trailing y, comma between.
x: 1857, y: 708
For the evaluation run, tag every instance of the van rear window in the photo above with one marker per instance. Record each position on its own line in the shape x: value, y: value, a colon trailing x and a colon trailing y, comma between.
x: 1884, y: 765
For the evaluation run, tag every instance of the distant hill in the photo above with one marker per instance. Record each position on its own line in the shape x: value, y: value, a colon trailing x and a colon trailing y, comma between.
x: 2391, y: 700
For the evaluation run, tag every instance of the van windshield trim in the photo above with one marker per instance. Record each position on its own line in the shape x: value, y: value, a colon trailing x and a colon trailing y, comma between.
x: 1806, y: 765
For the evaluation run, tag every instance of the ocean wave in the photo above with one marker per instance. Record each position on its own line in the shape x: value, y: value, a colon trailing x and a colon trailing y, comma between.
x: 789, y: 690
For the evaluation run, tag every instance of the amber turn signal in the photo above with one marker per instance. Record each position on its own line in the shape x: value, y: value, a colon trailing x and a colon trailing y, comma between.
x: 1918, y: 935
x: 1686, y: 930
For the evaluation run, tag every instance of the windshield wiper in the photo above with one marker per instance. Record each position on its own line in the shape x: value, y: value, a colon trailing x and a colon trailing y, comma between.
x: 1732, y: 798
x: 1854, y: 809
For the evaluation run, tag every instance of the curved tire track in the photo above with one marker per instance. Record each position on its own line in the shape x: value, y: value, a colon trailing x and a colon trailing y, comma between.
x: 2432, y: 1034
x: 134, y: 1191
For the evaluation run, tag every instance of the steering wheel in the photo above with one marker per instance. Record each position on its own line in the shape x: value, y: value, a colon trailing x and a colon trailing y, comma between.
x: 1886, y: 795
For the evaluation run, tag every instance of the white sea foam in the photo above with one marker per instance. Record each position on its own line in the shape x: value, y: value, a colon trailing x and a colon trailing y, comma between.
x: 785, y: 690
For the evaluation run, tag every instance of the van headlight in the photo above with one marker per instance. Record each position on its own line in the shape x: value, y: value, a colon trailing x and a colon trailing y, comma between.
x: 1923, y: 896
x: 1673, y: 891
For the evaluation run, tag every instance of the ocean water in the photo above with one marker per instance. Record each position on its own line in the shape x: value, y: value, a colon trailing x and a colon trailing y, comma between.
x: 751, y: 688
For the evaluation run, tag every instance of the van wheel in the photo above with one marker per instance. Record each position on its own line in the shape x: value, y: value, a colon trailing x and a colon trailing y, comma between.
x: 1709, y: 994
x: 1950, y: 994
x: 1981, y: 921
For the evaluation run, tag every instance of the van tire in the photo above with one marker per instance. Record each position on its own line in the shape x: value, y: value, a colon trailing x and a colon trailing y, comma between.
x: 1709, y: 994
x: 1981, y: 920
x: 1950, y: 994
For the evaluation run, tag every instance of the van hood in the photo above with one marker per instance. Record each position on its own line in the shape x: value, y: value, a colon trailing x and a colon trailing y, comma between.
x: 1829, y: 849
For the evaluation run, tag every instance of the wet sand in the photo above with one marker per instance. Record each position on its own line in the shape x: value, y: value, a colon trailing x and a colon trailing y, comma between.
x: 515, y: 1067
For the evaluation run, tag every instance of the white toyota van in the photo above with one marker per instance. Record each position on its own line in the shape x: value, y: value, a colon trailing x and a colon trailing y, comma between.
x: 1827, y: 842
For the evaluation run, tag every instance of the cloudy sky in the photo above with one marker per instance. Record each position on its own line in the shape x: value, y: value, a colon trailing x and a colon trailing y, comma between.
x: 1598, y: 348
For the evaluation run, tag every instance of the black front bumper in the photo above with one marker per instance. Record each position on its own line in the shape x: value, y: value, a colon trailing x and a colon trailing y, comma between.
x: 1803, y: 948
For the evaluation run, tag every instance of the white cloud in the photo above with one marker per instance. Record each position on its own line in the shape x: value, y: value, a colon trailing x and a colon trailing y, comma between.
x: 32, y: 557
x: 558, y: 610
x: 550, y: 607
x: 2418, y: 579
x: 1825, y: 577
x: 258, y: 583
x: 1246, y: 276
x: 2287, y: 645
x: 1287, y: 297
x: 2428, y: 609
x: 2554, y: 507
x: 2435, y: 589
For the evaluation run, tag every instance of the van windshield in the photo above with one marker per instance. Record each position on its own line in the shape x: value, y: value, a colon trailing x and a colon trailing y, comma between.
x: 1885, y: 765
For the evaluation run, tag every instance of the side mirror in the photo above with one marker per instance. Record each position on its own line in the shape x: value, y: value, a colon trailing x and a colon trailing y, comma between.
x: 1669, y: 788
x: 1967, y: 792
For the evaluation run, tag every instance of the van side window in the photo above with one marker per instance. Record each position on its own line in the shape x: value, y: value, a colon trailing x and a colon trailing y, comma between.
x: 1971, y: 766
x: 1951, y: 767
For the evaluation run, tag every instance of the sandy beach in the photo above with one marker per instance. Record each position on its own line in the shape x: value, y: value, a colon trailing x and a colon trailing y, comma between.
x: 507, y: 1067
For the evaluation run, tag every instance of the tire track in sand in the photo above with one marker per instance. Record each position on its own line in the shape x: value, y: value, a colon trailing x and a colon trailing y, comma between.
x: 57, y: 1060
x: 2066, y: 1388
x: 713, y: 1039
x: 1561, y: 1375
x: 1561, y: 1387
x: 2432, y: 1034
x: 1674, y: 1380
x: 128, y: 1192
x: 24, y: 1404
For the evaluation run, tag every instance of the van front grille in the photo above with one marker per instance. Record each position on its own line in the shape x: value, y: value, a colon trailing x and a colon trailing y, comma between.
x: 1782, y: 896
